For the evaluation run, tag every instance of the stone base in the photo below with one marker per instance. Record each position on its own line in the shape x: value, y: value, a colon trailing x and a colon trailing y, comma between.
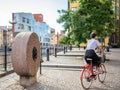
x: 27, y: 80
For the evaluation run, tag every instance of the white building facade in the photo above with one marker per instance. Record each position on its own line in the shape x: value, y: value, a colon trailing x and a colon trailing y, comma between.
x: 26, y: 22
x: 43, y: 31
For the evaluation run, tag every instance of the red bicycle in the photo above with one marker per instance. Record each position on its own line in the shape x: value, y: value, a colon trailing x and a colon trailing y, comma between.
x: 90, y: 73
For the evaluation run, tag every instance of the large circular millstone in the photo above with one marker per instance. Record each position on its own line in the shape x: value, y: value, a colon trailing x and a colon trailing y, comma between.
x: 26, y: 54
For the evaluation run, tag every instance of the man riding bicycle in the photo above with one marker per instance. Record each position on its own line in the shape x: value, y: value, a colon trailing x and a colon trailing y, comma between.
x: 92, y: 44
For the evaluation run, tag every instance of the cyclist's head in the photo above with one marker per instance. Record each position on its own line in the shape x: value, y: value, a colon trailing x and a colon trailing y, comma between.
x: 93, y: 35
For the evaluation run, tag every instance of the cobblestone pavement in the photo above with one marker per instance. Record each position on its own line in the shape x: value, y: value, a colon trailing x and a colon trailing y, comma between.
x: 67, y: 78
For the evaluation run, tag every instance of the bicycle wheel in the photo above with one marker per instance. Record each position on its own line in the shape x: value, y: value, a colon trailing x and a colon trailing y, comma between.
x: 85, y: 79
x: 102, y: 73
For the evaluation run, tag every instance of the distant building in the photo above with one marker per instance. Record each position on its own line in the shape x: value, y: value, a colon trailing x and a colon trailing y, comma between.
x: 34, y: 23
x: 53, y: 37
x: 25, y: 22
x: 62, y: 34
x: 43, y: 31
x: 116, y: 36
x: 1, y: 37
x: 74, y: 5
x: 56, y: 37
x: 38, y: 17
x: 6, y: 36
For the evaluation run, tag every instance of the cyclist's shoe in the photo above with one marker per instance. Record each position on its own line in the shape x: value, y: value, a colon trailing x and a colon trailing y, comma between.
x: 88, y: 79
x: 93, y: 75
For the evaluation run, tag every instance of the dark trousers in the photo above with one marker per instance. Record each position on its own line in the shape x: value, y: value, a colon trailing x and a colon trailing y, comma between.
x: 91, y: 54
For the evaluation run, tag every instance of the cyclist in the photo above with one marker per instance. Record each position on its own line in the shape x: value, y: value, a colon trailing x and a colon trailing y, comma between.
x: 92, y: 44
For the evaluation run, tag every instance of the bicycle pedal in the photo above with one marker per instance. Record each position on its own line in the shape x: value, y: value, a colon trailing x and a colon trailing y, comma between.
x: 93, y: 75
x: 88, y: 79
x: 95, y: 78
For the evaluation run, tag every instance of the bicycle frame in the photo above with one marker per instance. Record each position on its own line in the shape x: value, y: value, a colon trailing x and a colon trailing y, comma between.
x: 88, y: 74
x: 89, y: 67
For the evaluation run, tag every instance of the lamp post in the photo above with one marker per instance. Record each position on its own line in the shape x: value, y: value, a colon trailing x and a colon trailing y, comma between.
x: 13, y: 23
x: 5, y: 45
x: 5, y: 48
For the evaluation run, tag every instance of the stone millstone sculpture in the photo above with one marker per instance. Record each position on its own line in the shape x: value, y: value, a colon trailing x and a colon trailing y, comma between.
x: 26, y: 57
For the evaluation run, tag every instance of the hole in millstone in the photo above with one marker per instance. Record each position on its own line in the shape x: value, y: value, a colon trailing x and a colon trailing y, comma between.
x: 34, y: 53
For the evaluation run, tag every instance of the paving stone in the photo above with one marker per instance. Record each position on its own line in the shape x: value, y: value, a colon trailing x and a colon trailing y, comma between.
x: 67, y: 78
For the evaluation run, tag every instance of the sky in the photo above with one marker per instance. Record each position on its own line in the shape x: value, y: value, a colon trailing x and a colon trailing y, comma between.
x: 46, y: 7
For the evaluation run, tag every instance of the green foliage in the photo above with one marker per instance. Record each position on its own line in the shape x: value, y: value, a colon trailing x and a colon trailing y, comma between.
x: 63, y: 40
x: 91, y: 15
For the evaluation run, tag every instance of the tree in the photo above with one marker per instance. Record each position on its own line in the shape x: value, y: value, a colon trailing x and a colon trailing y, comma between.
x: 91, y: 15
x: 64, y: 40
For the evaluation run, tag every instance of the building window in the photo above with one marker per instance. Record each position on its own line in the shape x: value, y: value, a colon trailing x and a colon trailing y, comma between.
x: 40, y: 16
x: 15, y: 18
x: 29, y: 28
x: 46, y: 44
x: 19, y: 25
x: 28, y: 21
x: 43, y: 44
x: 23, y: 19
x: 40, y: 38
x: 73, y: 9
x: 22, y: 26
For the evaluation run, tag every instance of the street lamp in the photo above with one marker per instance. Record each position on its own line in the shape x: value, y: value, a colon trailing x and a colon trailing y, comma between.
x: 5, y: 42
x: 13, y: 23
x: 5, y: 48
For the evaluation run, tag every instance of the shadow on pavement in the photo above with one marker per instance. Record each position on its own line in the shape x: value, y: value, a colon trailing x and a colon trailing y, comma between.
x: 39, y: 86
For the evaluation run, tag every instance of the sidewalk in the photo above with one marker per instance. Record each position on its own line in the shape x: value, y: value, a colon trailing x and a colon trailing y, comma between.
x: 71, y: 59
x: 62, y: 60
x: 56, y: 67
x: 62, y: 73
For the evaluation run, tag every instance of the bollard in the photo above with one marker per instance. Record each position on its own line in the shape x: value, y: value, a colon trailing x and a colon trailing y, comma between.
x: 55, y: 51
x: 70, y: 47
x: 47, y: 51
x: 41, y: 60
x: 84, y: 47
x: 5, y: 63
x: 64, y: 49
x: 40, y: 68
x: 107, y: 49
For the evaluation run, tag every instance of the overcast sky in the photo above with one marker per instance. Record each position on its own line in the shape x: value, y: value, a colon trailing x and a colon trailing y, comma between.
x: 46, y: 7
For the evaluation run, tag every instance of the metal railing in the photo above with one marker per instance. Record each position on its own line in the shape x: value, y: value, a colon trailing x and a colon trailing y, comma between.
x: 5, y: 55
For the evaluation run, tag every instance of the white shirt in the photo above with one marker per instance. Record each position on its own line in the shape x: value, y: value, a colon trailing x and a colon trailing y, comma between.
x: 92, y: 44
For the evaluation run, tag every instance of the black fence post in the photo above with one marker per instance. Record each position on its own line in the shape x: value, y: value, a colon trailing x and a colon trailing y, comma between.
x: 64, y: 49
x: 70, y: 47
x: 55, y: 51
x: 49, y: 50
x: 41, y: 60
x: 5, y: 62
x: 47, y: 54
x: 84, y: 47
x: 107, y: 49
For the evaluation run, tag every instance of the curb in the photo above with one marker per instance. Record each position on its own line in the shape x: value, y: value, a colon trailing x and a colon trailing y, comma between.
x: 6, y: 73
x: 61, y: 66
x: 69, y: 55
x: 46, y: 65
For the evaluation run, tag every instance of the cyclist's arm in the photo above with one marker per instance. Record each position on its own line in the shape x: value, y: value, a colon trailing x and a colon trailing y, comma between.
x: 101, y: 49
